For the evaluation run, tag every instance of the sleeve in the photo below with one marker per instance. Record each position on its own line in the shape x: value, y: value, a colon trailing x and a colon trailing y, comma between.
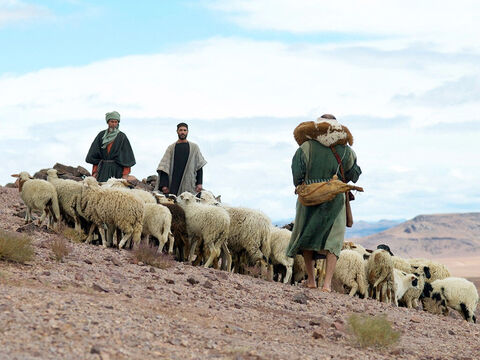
x: 299, y: 167
x: 125, y: 157
x: 199, y: 177
x: 163, y: 176
x: 94, y: 154
x: 352, y: 170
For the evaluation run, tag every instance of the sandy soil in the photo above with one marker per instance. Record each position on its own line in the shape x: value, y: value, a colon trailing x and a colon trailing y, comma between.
x: 97, y: 304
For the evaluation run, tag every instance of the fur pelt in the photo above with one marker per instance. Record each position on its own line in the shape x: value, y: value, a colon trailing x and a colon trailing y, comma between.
x: 327, y: 132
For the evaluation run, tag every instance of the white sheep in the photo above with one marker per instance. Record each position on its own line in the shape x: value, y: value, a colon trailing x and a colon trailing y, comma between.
x: 299, y: 269
x: 402, y: 282
x: 380, y: 274
x: 69, y: 196
x: 38, y: 195
x: 456, y: 293
x: 123, y: 184
x: 351, y: 271
x: 249, y: 233
x: 349, y: 245
x: 207, y: 224
x: 279, y: 241
x: 157, y: 221
x: 114, y: 208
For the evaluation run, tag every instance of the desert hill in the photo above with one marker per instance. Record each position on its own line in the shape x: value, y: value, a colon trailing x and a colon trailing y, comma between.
x: 98, y: 303
x: 431, y: 236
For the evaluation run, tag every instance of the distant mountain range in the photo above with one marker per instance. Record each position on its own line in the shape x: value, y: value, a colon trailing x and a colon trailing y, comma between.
x: 359, y: 229
x: 432, y: 236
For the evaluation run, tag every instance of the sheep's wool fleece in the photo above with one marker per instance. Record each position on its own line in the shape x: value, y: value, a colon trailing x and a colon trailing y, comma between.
x: 328, y: 132
x: 195, y: 162
x: 321, y: 227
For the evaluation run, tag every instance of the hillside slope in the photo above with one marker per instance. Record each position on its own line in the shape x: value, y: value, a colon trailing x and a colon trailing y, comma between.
x: 98, y: 304
x: 431, y: 236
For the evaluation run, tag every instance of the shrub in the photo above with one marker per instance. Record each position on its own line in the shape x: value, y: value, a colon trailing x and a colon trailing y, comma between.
x: 373, y: 330
x: 72, y: 234
x: 15, y: 247
x: 59, y: 248
x: 147, y: 254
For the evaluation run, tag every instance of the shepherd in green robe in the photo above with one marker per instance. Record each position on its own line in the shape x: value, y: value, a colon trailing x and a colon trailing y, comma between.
x: 320, y: 229
x: 110, y: 153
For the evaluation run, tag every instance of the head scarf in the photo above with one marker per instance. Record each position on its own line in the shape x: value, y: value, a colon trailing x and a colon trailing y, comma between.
x: 109, y: 136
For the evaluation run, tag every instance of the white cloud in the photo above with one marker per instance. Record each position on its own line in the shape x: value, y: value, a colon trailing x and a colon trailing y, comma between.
x: 446, y: 23
x: 12, y: 11
x: 242, y: 99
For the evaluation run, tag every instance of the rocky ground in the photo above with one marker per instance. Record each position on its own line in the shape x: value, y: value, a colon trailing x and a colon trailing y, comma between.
x: 98, y: 304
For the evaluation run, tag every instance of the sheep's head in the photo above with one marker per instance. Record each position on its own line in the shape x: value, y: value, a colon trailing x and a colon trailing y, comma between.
x: 414, y: 280
x: 162, y: 199
x: 22, y: 178
x: 186, y: 198
x: 52, y: 173
x: 90, y: 182
x: 117, y: 183
x: 207, y: 197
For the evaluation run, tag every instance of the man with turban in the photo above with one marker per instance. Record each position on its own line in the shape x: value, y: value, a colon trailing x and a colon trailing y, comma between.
x: 181, y: 168
x: 110, y: 153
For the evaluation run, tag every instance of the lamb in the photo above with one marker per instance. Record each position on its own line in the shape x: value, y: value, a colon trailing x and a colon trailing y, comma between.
x: 142, y: 195
x: 249, y: 233
x: 279, y: 241
x: 437, y: 270
x: 157, y: 221
x: 403, y: 282
x: 456, y: 293
x: 38, y: 195
x: 412, y: 295
x: 380, y: 274
x: 115, y: 208
x: 178, y: 227
x: 351, y: 271
x: 69, y: 195
x: 209, y: 224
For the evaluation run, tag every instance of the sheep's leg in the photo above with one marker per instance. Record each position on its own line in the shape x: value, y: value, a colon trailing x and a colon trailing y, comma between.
x: 88, y: 240
x: 213, y: 254
x: 125, y: 238
x: 44, y: 215
x: 193, y: 248
x: 171, y: 241
x: 226, y: 258
x: 101, y: 229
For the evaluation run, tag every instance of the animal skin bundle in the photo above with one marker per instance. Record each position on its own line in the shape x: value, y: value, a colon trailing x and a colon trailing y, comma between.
x: 318, y: 193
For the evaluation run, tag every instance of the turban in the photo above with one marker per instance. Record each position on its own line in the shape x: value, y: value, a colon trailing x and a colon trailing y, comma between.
x: 114, y: 115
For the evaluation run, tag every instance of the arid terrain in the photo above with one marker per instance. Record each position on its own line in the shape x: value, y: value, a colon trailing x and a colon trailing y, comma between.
x: 432, y: 236
x: 99, y: 304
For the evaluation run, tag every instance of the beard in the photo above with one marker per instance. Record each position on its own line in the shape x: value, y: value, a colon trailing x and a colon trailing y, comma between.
x: 182, y: 136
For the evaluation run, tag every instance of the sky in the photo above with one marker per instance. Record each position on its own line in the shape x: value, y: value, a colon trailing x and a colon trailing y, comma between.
x: 403, y: 76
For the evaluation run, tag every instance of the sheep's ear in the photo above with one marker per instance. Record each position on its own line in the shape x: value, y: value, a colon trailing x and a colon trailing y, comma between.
x: 366, y: 256
x: 15, y: 175
x: 369, y: 251
x: 219, y: 198
x: 426, y: 270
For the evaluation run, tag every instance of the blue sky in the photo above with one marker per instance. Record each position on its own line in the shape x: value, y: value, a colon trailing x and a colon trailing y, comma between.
x: 243, y: 74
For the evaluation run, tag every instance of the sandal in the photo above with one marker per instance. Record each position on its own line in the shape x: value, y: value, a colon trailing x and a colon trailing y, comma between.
x: 326, y: 290
x: 305, y: 285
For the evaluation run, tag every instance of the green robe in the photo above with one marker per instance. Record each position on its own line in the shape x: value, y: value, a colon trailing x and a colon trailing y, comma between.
x: 111, y: 164
x: 320, y: 227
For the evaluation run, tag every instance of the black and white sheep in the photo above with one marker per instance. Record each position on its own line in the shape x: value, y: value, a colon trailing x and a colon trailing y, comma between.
x: 279, y: 241
x: 402, y: 283
x: 456, y: 293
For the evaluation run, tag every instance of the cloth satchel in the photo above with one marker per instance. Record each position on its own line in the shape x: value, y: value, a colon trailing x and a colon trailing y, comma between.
x: 320, y: 192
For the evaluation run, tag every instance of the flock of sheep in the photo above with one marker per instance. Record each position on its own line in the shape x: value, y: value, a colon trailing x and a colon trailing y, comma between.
x: 201, y: 230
